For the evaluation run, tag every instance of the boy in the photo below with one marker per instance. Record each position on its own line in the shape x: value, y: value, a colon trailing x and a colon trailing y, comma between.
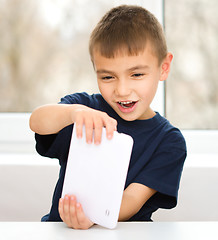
x: 129, y: 55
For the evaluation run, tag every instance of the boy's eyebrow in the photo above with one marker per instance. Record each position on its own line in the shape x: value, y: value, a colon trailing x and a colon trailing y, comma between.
x: 104, y: 71
x: 128, y: 70
x: 139, y: 67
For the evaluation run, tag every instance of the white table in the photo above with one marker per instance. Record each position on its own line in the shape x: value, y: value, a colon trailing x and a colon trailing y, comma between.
x: 124, y: 231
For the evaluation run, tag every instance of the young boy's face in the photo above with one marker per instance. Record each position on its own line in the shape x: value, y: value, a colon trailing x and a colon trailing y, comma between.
x: 129, y: 83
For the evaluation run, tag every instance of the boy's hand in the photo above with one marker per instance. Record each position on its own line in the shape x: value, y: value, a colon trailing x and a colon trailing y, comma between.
x: 72, y: 214
x: 93, y: 120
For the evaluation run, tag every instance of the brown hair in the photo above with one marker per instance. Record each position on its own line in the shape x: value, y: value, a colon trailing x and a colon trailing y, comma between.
x: 128, y: 28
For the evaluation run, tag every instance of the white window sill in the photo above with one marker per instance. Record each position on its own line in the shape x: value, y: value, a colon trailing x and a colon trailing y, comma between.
x: 26, y: 160
x: 192, y: 161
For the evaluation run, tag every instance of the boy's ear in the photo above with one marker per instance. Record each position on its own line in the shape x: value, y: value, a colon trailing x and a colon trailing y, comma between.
x: 165, y: 66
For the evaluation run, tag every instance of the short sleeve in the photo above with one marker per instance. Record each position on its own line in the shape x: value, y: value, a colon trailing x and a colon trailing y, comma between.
x: 54, y: 145
x: 164, y: 171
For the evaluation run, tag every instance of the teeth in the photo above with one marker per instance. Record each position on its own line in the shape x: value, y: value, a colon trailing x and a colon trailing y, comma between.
x: 125, y: 102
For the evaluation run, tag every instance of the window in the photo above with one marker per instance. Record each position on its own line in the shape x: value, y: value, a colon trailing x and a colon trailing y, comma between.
x: 192, y: 88
x: 44, y: 56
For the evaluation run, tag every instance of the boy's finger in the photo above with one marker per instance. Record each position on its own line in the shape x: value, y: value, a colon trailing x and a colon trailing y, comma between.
x: 83, y: 221
x: 89, y: 130
x: 79, y: 129
x: 73, y: 216
x: 111, y: 126
x: 60, y: 209
x: 66, y: 210
x: 98, y: 125
x: 98, y: 135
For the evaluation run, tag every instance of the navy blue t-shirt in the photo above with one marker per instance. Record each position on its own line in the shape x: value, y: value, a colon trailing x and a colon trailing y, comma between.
x: 157, y: 159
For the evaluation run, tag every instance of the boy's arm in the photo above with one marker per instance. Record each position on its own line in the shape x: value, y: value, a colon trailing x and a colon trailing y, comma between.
x: 50, y: 119
x: 134, y: 197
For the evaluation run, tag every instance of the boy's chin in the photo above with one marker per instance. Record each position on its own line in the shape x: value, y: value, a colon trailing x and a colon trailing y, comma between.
x: 133, y: 116
x: 127, y: 117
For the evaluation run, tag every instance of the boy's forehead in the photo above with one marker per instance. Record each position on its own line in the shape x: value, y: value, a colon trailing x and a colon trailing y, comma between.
x: 123, y: 52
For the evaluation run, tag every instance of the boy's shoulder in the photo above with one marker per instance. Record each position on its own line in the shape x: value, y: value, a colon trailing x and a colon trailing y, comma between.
x: 80, y: 97
x: 90, y: 100
x: 173, y: 137
x: 162, y: 132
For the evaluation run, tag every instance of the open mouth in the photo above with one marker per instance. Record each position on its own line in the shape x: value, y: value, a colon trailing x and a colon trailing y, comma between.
x: 127, y: 104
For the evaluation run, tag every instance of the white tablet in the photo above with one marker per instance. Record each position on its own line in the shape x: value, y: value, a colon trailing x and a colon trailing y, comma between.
x: 96, y: 175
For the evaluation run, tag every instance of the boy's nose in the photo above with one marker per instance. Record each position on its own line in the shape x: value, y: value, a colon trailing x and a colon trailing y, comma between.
x: 122, y: 89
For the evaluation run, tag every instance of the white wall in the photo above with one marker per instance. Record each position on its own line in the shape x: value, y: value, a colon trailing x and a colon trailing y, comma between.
x: 198, y: 194
x: 27, y: 182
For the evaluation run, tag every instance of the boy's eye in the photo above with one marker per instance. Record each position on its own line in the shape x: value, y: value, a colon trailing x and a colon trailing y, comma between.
x: 107, y: 77
x: 138, y: 75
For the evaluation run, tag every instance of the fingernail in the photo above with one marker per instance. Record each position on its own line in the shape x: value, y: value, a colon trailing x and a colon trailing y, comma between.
x: 97, y: 143
x: 109, y: 136
x: 72, y: 198
x: 78, y: 205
